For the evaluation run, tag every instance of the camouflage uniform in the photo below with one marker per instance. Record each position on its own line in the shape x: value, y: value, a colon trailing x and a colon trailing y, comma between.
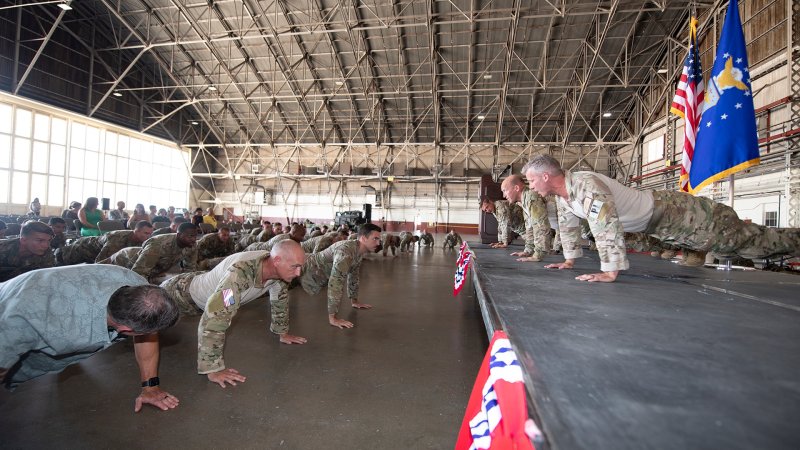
x: 157, y: 255
x: 11, y: 264
x: 58, y: 241
x: 116, y: 241
x: 314, y: 234
x: 241, y: 277
x: 452, y: 240
x: 91, y: 249
x: 318, y: 243
x: 406, y: 241
x: 211, y: 247
x: 509, y: 218
x: 265, y: 235
x: 426, y: 240
x: 388, y: 240
x: 267, y: 246
x: 162, y: 231
x: 537, y: 225
x: 245, y: 241
x: 333, y: 266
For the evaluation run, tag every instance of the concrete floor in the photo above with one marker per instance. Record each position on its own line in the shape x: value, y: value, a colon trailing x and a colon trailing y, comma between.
x: 400, y: 379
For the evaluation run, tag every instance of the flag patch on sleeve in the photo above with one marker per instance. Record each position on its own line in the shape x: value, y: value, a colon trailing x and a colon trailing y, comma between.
x: 227, y: 297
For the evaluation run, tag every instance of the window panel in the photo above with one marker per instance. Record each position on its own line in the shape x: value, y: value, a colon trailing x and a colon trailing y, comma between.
x: 111, y: 143
x: 76, y: 162
x: 135, y: 146
x: 19, y: 188
x: 5, y: 150
x: 58, y: 156
x: 39, y: 157
x: 122, y: 170
x: 4, y: 185
x: 39, y: 187
x: 41, y: 127
x: 55, y: 191
x: 22, y: 153
x: 109, y: 191
x: 146, y: 151
x: 110, y: 168
x: 23, y: 125
x: 122, y: 194
x: 5, y: 118
x: 78, y: 135
x: 58, y: 131
x: 123, y: 144
x: 90, y: 189
x: 75, y: 190
x: 91, y: 165
x: 92, y: 138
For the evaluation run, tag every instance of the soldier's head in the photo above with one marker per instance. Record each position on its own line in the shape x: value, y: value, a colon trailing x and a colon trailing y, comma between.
x: 544, y: 174
x: 324, y: 228
x: 288, y: 258
x: 266, y: 224
x: 142, y: 231
x: 58, y: 225
x: 297, y: 232
x: 137, y: 310
x: 414, y: 238
x: 187, y: 234
x: 34, y: 238
x: 176, y: 222
x: 120, y: 205
x: 340, y: 235
x: 512, y: 188
x: 369, y: 237
x: 277, y: 228
x: 487, y: 205
x: 223, y: 233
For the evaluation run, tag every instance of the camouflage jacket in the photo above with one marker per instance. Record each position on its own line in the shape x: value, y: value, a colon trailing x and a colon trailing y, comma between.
x: 537, y: 226
x: 267, y: 246
x: 333, y: 266
x: 82, y: 250
x: 58, y: 241
x: 244, y: 241
x: 595, y: 201
x: 116, y: 241
x: 389, y: 242
x: 216, y: 318
x: 11, y: 264
x: 318, y: 243
x: 265, y: 235
x: 509, y: 218
x: 160, y: 253
x: 405, y: 240
x: 426, y: 239
x: 211, y: 246
x: 452, y: 240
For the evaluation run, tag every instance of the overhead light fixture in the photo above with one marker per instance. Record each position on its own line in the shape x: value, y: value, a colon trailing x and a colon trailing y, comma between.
x: 481, y: 117
x: 487, y: 77
x: 212, y: 88
x: 608, y: 114
x: 194, y: 122
x: 339, y: 83
x: 117, y: 94
x: 661, y: 71
x: 270, y: 120
x: 65, y: 6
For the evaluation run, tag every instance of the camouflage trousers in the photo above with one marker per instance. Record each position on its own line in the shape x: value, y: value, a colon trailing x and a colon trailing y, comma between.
x: 177, y: 289
x: 701, y: 224
x: 69, y: 255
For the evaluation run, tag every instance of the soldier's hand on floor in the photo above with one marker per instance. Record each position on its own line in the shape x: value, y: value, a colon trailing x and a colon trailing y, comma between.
x: 156, y: 397
x: 287, y: 338
x: 602, y: 277
x: 523, y: 254
x: 339, y: 322
x: 565, y: 265
x: 357, y: 305
x: 529, y: 259
x: 230, y: 376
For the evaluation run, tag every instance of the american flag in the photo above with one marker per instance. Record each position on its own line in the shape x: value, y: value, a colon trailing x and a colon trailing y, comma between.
x: 462, y: 267
x: 688, y: 103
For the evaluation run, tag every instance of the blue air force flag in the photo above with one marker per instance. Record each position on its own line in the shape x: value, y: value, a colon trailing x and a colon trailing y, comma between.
x: 727, y: 139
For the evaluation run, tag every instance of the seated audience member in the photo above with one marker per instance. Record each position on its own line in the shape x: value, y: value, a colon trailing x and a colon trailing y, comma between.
x: 160, y: 253
x: 209, y: 218
x: 92, y: 249
x: 214, y: 247
x: 30, y: 251
x: 237, y: 280
x: 40, y: 312
x: 120, y: 213
x: 90, y: 216
x: 197, y: 218
x: 153, y: 212
x: 35, y: 208
x: 70, y: 215
x: 161, y: 216
x: 58, y: 226
x: 173, y: 228
x: 139, y: 214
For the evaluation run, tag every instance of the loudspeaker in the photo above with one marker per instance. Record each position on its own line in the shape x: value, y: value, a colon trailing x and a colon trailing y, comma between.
x: 368, y: 212
x: 106, y: 204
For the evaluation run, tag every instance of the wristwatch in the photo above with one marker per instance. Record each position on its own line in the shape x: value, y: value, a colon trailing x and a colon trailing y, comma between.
x: 152, y: 382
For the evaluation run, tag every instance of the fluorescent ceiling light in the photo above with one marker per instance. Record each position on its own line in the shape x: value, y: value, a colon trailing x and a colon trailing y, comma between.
x: 194, y: 122
x: 661, y: 71
x: 270, y: 120
x: 481, y: 117
x: 65, y: 6
x: 487, y: 77
x: 117, y: 94
x: 608, y: 114
x: 212, y: 88
x: 339, y: 83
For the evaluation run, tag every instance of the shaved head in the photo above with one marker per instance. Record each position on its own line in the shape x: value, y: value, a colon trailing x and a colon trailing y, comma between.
x: 286, y: 249
x: 288, y: 258
x: 512, y: 188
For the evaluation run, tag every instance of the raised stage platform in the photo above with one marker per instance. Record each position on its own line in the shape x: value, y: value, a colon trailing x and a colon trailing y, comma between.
x: 665, y: 357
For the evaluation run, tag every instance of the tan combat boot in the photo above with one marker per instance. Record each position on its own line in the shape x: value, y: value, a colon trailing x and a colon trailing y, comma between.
x: 693, y: 258
x: 668, y: 254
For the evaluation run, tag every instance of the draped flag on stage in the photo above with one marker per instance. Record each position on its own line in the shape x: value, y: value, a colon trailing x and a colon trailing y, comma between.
x: 688, y: 103
x: 462, y: 267
x: 727, y: 140
x: 496, y: 413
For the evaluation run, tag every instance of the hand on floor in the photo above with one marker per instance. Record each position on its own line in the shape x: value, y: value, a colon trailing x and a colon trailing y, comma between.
x: 340, y: 323
x: 156, y: 397
x: 287, y: 338
x: 230, y: 376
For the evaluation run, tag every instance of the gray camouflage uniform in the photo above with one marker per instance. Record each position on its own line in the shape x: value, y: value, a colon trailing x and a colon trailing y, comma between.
x: 157, y: 255
x: 318, y: 243
x: 336, y: 265
x: 211, y: 250
x: 389, y: 241
x: 426, y: 240
x: 406, y: 241
x: 510, y: 218
x: 537, y: 226
x: 11, y: 264
x: 95, y: 248
x: 267, y: 246
x: 265, y: 235
x: 452, y: 240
